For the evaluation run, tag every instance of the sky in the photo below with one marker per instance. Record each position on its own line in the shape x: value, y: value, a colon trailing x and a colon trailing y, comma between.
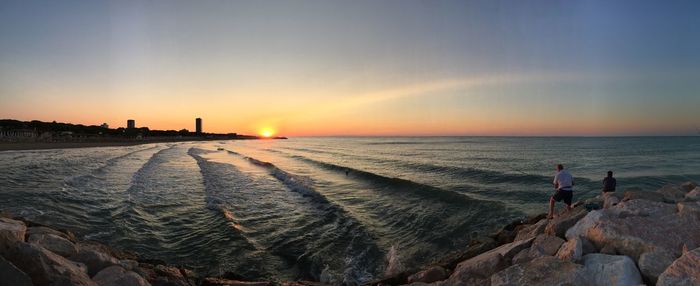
x: 323, y: 68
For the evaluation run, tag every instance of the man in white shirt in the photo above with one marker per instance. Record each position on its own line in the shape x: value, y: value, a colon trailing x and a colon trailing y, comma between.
x: 564, y: 184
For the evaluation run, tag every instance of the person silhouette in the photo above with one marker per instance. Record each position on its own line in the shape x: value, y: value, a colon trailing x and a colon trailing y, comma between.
x: 609, y: 183
x: 564, y: 185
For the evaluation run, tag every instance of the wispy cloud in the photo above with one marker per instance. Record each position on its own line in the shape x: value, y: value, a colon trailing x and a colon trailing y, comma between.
x: 431, y: 88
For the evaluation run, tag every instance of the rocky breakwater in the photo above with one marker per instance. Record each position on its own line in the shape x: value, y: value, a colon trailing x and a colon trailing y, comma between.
x: 631, y: 238
x: 33, y: 254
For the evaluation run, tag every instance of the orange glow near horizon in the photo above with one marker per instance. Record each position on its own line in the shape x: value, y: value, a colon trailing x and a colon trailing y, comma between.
x: 267, y: 132
x: 476, y: 105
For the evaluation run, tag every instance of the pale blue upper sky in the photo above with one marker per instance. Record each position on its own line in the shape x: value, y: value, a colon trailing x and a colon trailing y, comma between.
x: 357, y: 67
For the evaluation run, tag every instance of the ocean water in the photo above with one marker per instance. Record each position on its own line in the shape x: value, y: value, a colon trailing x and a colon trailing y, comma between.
x: 331, y: 209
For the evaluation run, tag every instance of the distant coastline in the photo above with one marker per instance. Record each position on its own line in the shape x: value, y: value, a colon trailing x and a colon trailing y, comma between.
x: 36, y: 135
x: 19, y: 146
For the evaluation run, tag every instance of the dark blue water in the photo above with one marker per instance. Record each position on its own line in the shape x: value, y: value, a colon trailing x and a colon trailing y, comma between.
x: 328, y: 209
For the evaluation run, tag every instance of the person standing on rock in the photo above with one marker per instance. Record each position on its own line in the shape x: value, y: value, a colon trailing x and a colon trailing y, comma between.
x: 564, y: 185
x: 609, y: 183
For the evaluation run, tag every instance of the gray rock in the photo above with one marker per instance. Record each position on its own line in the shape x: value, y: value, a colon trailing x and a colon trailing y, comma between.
x: 609, y: 249
x: 214, y: 281
x: 645, y: 208
x: 545, y: 270
x: 477, y: 270
x: 546, y: 244
x: 169, y: 275
x: 636, y: 193
x: 45, y: 230
x: 432, y: 274
x: 691, y: 209
x: 672, y: 193
x: 117, y: 276
x: 587, y: 246
x: 129, y: 264
x: 638, y: 226
x: 532, y: 230
x: 55, y: 243
x: 560, y: 224
x: 607, y: 270
x: 571, y: 250
x: 688, y: 186
x: 10, y: 275
x: 693, y: 195
x: 11, y: 232
x: 476, y: 247
x: 47, y: 268
x: 94, y: 258
x: 522, y: 257
x: 653, y: 263
x: 684, y: 271
x: 541, y: 246
x: 611, y: 201
x: 584, y: 224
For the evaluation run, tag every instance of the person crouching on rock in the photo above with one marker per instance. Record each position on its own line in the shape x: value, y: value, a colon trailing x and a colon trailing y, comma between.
x: 564, y: 185
x: 609, y: 183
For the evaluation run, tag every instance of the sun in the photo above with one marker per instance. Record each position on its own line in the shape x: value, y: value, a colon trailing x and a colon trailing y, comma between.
x: 267, y: 132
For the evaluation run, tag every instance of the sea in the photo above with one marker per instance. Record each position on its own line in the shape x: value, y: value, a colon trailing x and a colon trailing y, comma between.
x: 342, y: 210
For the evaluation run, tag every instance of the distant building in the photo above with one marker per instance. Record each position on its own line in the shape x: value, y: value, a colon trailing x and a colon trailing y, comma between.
x: 18, y: 133
x: 105, y: 125
x: 131, y: 123
x: 198, y: 126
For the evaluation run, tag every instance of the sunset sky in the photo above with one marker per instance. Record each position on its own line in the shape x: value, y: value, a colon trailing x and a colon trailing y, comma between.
x: 356, y: 67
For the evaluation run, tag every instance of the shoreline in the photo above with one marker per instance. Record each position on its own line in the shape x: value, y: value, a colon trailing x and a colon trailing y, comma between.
x: 26, y: 146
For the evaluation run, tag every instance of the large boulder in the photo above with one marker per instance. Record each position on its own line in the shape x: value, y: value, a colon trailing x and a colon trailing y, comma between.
x: 94, y: 257
x: 638, y: 226
x: 117, y: 276
x: 646, y: 208
x: 11, y: 232
x: 546, y: 244
x: 432, y: 274
x: 684, y: 271
x: 55, y: 243
x: 541, y: 246
x: 11, y: 275
x: 565, y: 220
x: 637, y: 194
x: 653, y: 263
x: 545, y: 270
x: 478, y: 269
x: 532, y: 230
x: 605, y: 270
x: 571, y: 250
x: 476, y: 247
x: 47, y: 268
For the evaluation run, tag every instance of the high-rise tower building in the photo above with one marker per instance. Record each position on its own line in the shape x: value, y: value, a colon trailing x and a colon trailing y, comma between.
x: 198, y: 126
x: 131, y: 123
